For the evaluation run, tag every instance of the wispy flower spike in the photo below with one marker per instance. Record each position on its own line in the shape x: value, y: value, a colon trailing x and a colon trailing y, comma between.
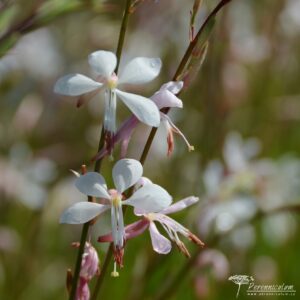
x: 138, y: 71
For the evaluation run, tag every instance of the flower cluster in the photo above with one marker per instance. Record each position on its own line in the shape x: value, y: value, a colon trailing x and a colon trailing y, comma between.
x: 151, y: 203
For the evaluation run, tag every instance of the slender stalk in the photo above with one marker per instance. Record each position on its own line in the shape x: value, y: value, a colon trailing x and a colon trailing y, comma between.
x: 122, y: 33
x: 85, y: 230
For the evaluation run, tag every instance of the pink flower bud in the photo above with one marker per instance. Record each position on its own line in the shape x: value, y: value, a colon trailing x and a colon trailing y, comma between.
x: 90, y: 263
x: 83, y: 291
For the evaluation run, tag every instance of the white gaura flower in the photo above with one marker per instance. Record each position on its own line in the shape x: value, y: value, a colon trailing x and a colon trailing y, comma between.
x: 160, y: 243
x: 164, y: 98
x: 138, y: 71
x: 126, y: 173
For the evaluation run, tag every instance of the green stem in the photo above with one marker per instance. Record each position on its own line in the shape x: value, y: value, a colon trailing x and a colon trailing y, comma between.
x: 122, y: 33
x: 103, y: 271
x: 85, y: 230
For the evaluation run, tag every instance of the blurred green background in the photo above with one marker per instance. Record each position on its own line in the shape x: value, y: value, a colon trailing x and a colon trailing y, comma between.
x: 241, y: 113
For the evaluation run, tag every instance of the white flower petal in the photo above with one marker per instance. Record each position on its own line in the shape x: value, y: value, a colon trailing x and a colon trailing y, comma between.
x: 144, y: 109
x: 150, y: 198
x: 103, y: 62
x: 92, y: 184
x: 140, y: 70
x: 166, y: 99
x: 75, y: 85
x: 173, y: 86
x: 126, y: 172
x: 180, y: 205
x: 82, y: 212
x: 160, y: 243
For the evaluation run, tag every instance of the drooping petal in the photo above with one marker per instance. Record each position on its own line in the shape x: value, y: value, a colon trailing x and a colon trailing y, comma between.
x: 180, y: 205
x: 92, y: 184
x: 144, y: 109
x: 150, y: 198
x: 103, y: 62
x: 173, y: 86
x: 75, y: 85
x: 126, y: 172
x: 140, y: 70
x: 82, y: 212
x: 165, y: 98
x: 160, y: 244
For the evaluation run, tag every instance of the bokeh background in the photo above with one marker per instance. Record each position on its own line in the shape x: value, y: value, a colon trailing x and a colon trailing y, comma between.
x: 241, y: 113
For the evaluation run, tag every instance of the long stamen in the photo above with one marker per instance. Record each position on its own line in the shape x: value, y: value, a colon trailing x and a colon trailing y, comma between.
x: 177, y: 130
x: 115, y: 273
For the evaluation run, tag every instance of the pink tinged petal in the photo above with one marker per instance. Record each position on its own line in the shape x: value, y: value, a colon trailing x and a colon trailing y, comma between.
x: 75, y: 85
x: 136, y: 228
x: 126, y: 172
x: 103, y: 62
x: 82, y: 212
x: 150, y: 198
x: 176, y: 130
x: 140, y: 70
x: 144, y: 109
x: 165, y: 98
x: 106, y: 238
x: 173, y: 86
x: 124, y: 147
x: 160, y: 244
x: 131, y: 231
x: 180, y: 205
x: 123, y: 133
x: 92, y: 184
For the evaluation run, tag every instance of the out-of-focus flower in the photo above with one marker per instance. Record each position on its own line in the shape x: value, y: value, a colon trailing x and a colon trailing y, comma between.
x: 138, y: 71
x: 165, y: 97
x: 217, y: 261
x: 160, y: 243
x: 25, y: 177
x: 126, y: 172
